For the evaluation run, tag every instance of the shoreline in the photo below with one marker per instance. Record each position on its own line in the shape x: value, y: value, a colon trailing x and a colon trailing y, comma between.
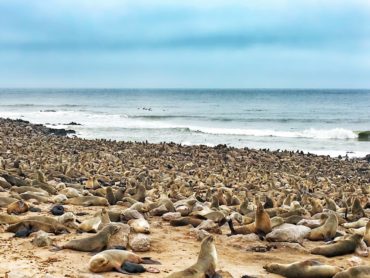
x: 70, y: 132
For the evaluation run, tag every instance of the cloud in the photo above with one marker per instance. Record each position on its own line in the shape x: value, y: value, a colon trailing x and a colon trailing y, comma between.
x: 208, y: 43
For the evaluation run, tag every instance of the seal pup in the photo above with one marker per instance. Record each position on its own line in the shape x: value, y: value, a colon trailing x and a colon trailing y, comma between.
x: 109, y: 260
x: 110, y: 196
x: 205, y: 265
x: 304, y: 269
x: 355, y: 272
x: 18, y: 207
x: 95, y: 223
x: 347, y: 245
x: 327, y: 231
x: 93, y: 243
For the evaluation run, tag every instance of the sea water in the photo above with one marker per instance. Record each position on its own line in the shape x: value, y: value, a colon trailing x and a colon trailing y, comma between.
x: 324, y: 122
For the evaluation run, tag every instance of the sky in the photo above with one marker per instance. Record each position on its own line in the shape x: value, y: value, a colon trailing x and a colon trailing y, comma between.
x: 185, y: 44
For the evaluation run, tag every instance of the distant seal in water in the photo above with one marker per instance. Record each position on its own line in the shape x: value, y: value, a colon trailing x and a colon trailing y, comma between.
x: 205, y: 265
x: 355, y: 272
x: 93, y: 243
x: 345, y: 246
x: 304, y: 269
x: 109, y: 260
x: 88, y: 201
x: 327, y: 231
x: 26, y: 227
x: 17, y: 207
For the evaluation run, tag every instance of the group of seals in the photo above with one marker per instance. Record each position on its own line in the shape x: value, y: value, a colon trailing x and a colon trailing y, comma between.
x: 296, y: 197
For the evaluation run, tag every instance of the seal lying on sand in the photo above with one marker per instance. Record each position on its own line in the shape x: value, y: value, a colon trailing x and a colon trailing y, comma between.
x: 26, y: 227
x: 304, y: 269
x: 109, y: 260
x: 88, y: 201
x: 345, y: 246
x: 355, y: 272
x: 93, y: 243
x: 327, y: 231
x: 205, y: 265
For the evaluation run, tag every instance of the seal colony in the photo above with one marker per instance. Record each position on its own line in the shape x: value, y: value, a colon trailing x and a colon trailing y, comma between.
x: 196, y: 210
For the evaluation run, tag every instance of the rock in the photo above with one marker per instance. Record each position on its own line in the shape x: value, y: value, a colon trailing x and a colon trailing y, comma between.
x: 198, y: 234
x: 288, y: 233
x: 42, y: 239
x: 139, y: 242
x: 171, y: 216
x: 121, y: 237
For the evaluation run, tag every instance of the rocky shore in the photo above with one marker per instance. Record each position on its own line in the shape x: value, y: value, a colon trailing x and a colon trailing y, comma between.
x: 166, y: 198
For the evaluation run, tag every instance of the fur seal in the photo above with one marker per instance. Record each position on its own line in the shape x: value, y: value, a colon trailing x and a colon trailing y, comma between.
x: 6, y: 201
x: 57, y: 210
x: 367, y: 234
x: 110, y: 196
x: 355, y: 272
x: 109, y: 260
x: 344, y: 246
x: 205, y: 265
x: 304, y: 269
x: 26, y: 227
x: 93, y: 243
x: 140, y: 225
x: 327, y: 231
x: 183, y: 221
x: 95, y: 223
x: 261, y: 225
x: 8, y: 219
x: 17, y: 207
x: 88, y: 201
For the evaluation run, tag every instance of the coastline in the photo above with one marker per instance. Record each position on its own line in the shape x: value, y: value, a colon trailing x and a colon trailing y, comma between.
x: 71, y: 160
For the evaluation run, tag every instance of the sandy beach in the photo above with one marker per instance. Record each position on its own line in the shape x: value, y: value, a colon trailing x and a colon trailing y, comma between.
x: 32, y: 155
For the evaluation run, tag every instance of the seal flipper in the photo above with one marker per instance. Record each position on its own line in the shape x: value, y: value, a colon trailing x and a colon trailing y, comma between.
x: 231, y: 226
x: 120, y: 270
x: 23, y: 232
x: 148, y: 260
x: 133, y: 268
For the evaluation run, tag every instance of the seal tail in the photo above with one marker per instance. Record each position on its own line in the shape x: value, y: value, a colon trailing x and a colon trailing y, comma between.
x: 148, y: 260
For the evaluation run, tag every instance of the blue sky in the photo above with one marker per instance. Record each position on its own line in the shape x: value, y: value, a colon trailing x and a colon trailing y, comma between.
x: 185, y: 44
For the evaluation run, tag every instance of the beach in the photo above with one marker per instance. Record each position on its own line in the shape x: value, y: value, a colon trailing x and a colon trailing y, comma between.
x: 178, y: 171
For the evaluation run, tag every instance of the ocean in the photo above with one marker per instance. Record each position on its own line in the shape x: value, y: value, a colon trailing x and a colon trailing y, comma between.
x: 323, y: 122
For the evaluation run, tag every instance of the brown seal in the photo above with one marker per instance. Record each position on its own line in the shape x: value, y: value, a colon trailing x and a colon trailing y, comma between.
x: 109, y: 260
x: 304, y: 269
x: 88, y: 201
x: 327, y: 231
x: 17, y: 207
x: 344, y: 246
x: 187, y: 220
x: 205, y: 265
x: 261, y: 225
x: 355, y: 272
x: 26, y: 227
x: 93, y: 243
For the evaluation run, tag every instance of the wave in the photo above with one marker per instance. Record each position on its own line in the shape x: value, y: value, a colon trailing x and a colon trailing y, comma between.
x: 335, y: 133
